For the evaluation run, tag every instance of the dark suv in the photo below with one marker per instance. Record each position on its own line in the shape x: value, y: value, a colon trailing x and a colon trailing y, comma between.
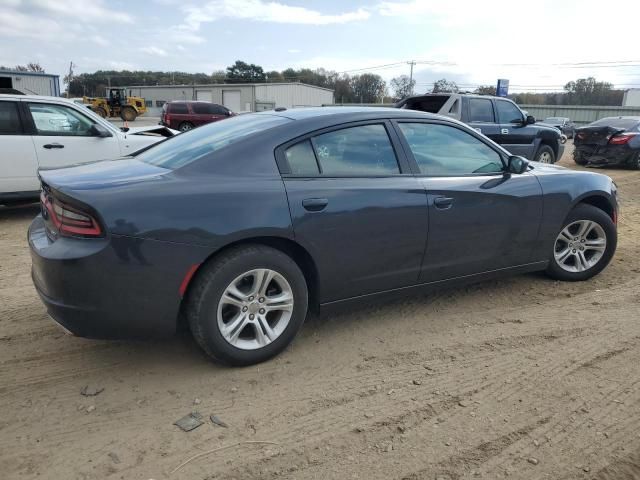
x: 184, y: 116
x: 497, y: 118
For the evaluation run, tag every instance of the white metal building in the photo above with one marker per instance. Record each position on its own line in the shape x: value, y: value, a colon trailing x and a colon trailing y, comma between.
x: 31, y: 83
x: 238, y: 97
x: 631, y: 98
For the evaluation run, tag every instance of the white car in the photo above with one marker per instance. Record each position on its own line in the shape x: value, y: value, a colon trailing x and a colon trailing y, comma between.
x: 47, y: 132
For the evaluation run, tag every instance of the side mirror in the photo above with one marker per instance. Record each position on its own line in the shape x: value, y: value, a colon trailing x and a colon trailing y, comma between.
x: 517, y: 164
x: 99, y: 131
x: 530, y: 120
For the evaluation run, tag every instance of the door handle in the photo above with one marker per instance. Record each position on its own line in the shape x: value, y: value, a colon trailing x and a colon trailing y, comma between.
x: 49, y: 146
x: 315, y: 204
x: 443, y: 203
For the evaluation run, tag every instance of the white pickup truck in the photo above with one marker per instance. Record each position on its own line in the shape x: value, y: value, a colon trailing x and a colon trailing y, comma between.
x: 48, y: 132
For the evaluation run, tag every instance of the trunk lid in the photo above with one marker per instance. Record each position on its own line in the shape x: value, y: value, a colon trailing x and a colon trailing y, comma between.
x: 595, y: 135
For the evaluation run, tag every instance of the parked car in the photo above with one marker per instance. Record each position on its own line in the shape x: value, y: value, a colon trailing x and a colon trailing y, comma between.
x: 242, y: 226
x: 46, y: 132
x: 564, y: 124
x: 498, y: 118
x: 184, y: 116
x: 609, y: 141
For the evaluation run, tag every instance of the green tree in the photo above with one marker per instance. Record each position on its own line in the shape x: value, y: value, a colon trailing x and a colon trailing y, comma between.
x: 485, y: 90
x: 402, y: 86
x: 589, y: 91
x: 445, y: 86
x: 29, y: 67
x: 274, y: 76
x: 242, y: 72
x: 218, y: 76
x: 368, y: 88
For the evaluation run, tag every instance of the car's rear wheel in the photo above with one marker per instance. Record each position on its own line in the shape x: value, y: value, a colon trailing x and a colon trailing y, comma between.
x: 102, y: 112
x: 584, y: 246
x: 578, y: 158
x: 545, y: 154
x: 247, y: 304
x: 635, y: 163
x: 185, y: 126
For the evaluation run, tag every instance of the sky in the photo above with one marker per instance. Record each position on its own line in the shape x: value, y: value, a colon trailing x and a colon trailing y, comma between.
x: 538, y: 45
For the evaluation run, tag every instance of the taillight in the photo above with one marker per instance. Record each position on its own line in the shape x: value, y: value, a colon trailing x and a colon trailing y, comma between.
x: 69, y: 220
x: 621, y: 138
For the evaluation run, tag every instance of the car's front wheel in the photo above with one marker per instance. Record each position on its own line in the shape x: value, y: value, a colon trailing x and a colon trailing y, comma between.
x: 584, y: 246
x: 247, y: 305
x: 545, y: 154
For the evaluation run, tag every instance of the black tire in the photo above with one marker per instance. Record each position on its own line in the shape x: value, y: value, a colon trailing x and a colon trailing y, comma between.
x: 102, y: 112
x: 211, y: 282
x: 128, y: 114
x: 185, y: 126
x: 585, y: 212
x: 543, y: 151
x: 635, y: 163
x: 577, y: 157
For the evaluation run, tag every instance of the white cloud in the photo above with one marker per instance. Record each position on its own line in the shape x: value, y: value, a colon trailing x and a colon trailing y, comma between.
x: 88, y: 11
x: 153, y: 50
x: 294, y: 50
x: 17, y: 24
x: 261, y: 11
x: 99, y: 40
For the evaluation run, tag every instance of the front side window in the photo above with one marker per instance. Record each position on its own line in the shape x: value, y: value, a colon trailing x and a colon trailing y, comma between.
x: 481, y: 110
x: 9, y: 119
x: 60, y: 120
x: 362, y: 150
x: 509, y: 113
x: 442, y: 150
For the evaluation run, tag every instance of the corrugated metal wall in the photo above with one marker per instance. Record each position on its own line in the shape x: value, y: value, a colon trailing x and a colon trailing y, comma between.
x: 293, y: 95
x: 252, y: 97
x: 34, y: 84
x: 581, y: 115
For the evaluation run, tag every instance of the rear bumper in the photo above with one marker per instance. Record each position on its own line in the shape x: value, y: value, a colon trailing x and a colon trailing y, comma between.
x: 605, y: 155
x: 114, y: 287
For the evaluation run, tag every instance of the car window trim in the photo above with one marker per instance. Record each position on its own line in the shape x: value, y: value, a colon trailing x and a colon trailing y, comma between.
x: 21, y: 126
x: 414, y: 163
x: 285, y: 169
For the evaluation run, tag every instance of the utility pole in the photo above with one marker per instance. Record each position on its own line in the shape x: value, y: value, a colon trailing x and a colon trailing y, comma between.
x: 411, y: 63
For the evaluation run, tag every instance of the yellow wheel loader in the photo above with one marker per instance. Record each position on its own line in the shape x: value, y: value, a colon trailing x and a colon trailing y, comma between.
x: 117, y: 104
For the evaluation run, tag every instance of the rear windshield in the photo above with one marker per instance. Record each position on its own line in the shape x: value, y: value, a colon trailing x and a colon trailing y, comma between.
x: 431, y: 104
x: 626, y: 123
x: 188, y: 147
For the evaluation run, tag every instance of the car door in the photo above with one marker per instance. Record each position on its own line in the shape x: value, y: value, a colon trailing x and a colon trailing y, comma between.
x: 482, y: 117
x: 63, y: 135
x: 515, y: 135
x: 480, y: 218
x: 356, y: 208
x: 18, y: 161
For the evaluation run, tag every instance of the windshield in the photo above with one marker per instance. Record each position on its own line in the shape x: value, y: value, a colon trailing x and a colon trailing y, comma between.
x: 191, y: 146
x: 626, y: 123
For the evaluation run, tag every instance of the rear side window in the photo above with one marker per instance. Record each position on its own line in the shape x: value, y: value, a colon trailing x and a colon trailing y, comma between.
x: 363, y: 150
x: 481, y: 110
x: 178, y: 108
x: 9, y: 119
x: 301, y: 159
x: 186, y: 148
x: 509, y: 113
x: 208, y: 109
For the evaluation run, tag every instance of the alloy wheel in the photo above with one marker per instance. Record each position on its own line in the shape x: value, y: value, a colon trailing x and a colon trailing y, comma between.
x: 580, y: 246
x: 545, y: 157
x: 255, y: 309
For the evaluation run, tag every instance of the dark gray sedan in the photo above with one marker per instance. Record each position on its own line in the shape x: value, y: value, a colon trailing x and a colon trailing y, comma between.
x: 240, y: 227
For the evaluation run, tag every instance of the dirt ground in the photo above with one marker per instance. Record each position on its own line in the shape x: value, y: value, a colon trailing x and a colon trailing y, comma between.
x: 521, y: 378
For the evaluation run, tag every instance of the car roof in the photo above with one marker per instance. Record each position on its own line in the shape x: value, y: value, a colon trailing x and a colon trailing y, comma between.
x: 363, y: 113
x: 5, y: 96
